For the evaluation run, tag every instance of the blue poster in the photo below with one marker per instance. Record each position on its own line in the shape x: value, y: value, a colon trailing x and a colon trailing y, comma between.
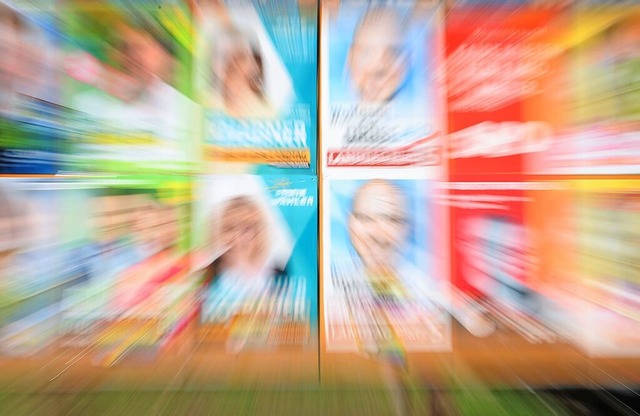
x: 31, y: 120
x: 257, y: 81
x: 381, y: 289
x: 379, y: 62
x: 260, y: 280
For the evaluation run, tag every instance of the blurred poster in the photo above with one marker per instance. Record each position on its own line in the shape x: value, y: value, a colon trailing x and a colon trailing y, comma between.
x: 125, y: 247
x: 495, y: 253
x: 32, y: 126
x: 382, y: 291
x: 31, y: 278
x: 260, y: 279
x: 380, y: 97
x: 552, y: 216
x: 257, y: 81
x: 495, y: 5
x: 608, y: 218
x: 125, y: 81
x: 502, y: 103
x: 603, y: 59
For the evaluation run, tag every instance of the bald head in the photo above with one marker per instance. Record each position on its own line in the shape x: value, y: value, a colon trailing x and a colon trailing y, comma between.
x: 377, y: 61
x: 378, y: 223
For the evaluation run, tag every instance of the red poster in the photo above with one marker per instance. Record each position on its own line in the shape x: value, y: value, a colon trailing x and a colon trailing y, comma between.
x: 498, y: 68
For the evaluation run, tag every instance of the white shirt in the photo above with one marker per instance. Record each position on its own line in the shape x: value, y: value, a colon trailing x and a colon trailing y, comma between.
x: 160, y: 112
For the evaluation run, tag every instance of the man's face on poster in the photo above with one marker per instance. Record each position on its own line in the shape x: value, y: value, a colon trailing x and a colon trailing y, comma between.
x: 377, y: 60
x: 140, y: 58
x: 378, y: 224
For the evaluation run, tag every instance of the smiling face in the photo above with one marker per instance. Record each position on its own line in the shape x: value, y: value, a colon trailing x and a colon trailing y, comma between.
x: 244, y: 67
x: 377, y: 61
x: 243, y: 232
x: 378, y: 224
x: 140, y: 57
x: 237, y: 72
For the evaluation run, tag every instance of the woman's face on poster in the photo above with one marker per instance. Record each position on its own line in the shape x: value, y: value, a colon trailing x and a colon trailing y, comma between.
x: 243, y: 66
x: 238, y: 69
x: 241, y: 228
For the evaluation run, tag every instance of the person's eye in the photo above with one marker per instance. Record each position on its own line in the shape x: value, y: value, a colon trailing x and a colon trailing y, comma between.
x: 396, y: 54
x: 361, y: 217
x: 398, y: 220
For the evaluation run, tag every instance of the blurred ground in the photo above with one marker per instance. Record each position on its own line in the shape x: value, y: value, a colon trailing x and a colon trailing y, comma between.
x: 314, y: 402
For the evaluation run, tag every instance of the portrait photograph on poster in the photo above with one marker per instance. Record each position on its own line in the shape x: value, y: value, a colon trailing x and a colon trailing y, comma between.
x: 378, y: 82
